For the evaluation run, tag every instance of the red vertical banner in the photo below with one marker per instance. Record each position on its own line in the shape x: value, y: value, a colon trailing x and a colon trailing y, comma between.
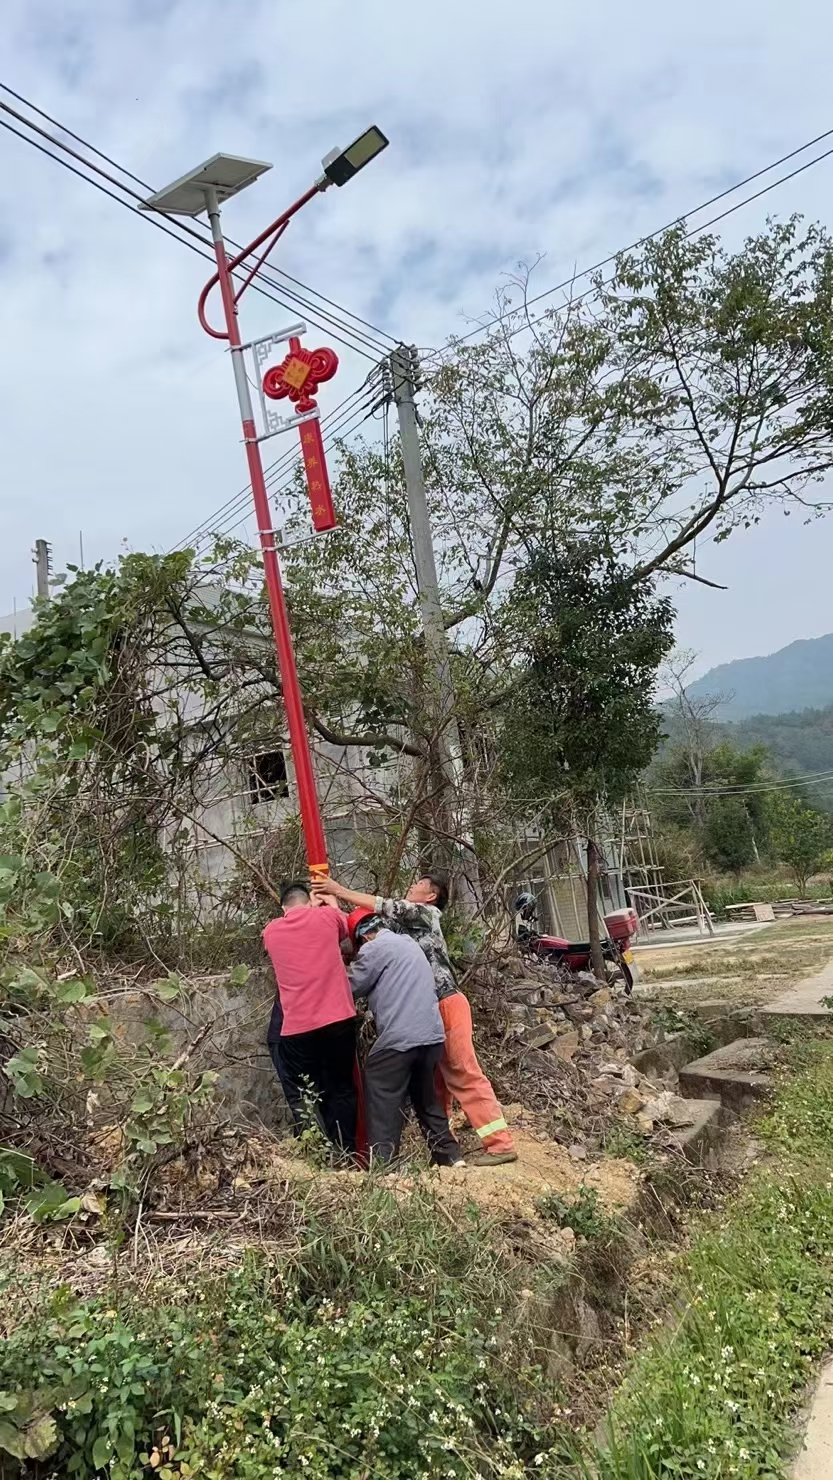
x: 318, y: 482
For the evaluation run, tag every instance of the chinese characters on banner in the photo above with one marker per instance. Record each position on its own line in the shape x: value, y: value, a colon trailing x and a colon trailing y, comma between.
x: 298, y: 378
x: 318, y: 482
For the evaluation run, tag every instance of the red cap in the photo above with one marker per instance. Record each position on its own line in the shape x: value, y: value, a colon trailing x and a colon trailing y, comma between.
x: 355, y: 918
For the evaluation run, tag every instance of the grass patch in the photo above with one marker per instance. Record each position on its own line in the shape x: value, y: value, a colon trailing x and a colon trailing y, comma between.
x: 717, y: 1397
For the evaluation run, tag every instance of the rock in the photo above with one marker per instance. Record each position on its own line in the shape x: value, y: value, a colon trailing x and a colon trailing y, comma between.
x: 669, y: 1108
x: 542, y: 1063
x: 516, y: 1012
x: 585, y: 1032
x: 645, y: 1124
x: 539, y: 1037
x: 577, y: 1152
x: 99, y: 1257
x: 630, y: 1102
x: 588, y: 1329
x: 578, y: 1012
x: 585, y: 981
x: 549, y: 1015
x: 565, y: 1045
x: 601, y: 998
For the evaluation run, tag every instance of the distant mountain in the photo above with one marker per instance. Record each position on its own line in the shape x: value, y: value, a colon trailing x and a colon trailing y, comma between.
x: 795, y: 678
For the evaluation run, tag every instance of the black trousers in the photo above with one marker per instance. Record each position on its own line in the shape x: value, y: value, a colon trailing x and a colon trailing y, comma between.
x: 319, y: 1066
x: 292, y: 1091
x: 392, y: 1077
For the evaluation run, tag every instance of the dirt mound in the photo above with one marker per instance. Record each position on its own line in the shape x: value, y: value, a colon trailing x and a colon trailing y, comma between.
x: 512, y: 1190
x: 542, y: 1167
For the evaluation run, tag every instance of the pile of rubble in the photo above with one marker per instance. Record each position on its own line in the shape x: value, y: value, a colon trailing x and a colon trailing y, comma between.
x: 566, y: 1040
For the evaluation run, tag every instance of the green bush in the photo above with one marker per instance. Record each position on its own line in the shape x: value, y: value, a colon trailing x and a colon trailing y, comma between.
x: 378, y: 1346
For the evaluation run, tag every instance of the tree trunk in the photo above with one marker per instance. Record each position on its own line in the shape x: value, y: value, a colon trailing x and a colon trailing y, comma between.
x: 593, y: 931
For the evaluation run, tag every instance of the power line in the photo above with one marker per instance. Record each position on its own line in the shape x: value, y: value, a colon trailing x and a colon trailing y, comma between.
x: 336, y: 427
x: 172, y: 231
x: 713, y: 200
x: 331, y: 424
x: 686, y: 216
x: 193, y: 239
x: 358, y: 339
x: 337, y: 433
x: 271, y: 472
x: 813, y: 778
x: 148, y: 189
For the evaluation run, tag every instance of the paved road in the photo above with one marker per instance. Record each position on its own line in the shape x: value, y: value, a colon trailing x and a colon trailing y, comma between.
x: 805, y: 1000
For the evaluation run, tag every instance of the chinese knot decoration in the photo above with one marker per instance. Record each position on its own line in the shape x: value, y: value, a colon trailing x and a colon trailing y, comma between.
x: 300, y: 375
x: 298, y: 378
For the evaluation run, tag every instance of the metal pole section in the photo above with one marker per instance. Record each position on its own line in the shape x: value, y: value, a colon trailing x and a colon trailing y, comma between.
x: 436, y: 643
x: 42, y: 564
x: 298, y: 738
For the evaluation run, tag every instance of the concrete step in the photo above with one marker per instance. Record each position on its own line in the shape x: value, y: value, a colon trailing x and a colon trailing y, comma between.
x: 735, y: 1074
x: 701, y: 1141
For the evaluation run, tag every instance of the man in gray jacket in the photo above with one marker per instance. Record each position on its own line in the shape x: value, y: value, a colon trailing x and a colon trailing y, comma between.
x: 393, y: 974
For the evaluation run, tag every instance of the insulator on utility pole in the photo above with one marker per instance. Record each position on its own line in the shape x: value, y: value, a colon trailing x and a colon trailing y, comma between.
x: 42, y: 557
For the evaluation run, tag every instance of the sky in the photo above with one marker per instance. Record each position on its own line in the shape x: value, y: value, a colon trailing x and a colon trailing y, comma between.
x: 561, y: 131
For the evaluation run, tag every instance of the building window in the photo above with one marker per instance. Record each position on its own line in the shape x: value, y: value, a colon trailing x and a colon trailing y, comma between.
x: 267, y: 777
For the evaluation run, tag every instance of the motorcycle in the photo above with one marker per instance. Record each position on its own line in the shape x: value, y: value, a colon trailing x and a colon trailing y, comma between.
x: 574, y: 956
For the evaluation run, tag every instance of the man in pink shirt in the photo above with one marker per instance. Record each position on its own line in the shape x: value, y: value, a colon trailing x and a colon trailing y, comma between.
x: 312, y: 1034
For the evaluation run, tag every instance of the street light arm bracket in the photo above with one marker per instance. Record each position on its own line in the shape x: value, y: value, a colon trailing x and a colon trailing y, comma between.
x: 271, y: 236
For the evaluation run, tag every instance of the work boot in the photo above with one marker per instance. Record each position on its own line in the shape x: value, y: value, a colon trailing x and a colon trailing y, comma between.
x: 491, y: 1158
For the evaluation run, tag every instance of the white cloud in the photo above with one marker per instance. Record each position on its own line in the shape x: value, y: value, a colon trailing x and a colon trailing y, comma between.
x: 568, y: 130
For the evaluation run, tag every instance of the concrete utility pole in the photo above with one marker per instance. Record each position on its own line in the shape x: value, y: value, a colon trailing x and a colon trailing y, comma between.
x: 42, y: 557
x: 404, y: 365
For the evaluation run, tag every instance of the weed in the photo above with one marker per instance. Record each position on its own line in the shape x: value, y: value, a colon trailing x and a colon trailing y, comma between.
x: 584, y: 1214
x: 625, y: 1144
x: 676, y: 1020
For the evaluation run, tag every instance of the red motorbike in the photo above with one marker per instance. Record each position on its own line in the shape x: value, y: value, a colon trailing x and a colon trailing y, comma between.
x: 621, y: 926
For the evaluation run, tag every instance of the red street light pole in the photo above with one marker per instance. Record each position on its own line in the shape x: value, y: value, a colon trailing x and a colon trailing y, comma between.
x: 202, y: 190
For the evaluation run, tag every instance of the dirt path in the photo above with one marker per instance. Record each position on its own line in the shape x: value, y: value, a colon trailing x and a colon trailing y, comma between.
x: 746, y: 971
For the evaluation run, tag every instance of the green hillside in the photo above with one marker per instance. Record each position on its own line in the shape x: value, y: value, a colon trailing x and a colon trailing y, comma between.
x: 799, y: 743
x: 796, y: 678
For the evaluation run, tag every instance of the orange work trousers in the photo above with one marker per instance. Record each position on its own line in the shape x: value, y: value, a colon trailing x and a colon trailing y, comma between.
x: 460, y: 1077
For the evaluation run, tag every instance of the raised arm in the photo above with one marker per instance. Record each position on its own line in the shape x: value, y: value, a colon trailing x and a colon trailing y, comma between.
x: 323, y: 887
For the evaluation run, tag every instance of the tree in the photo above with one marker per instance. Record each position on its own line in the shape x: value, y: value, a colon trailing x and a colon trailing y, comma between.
x: 801, y: 835
x: 698, y: 810
x: 726, y: 366
x: 727, y: 835
x: 583, y: 724
x: 691, y: 730
x: 597, y: 419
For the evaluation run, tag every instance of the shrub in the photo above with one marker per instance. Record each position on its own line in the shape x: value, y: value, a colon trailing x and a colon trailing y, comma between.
x: 379, y: 1346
